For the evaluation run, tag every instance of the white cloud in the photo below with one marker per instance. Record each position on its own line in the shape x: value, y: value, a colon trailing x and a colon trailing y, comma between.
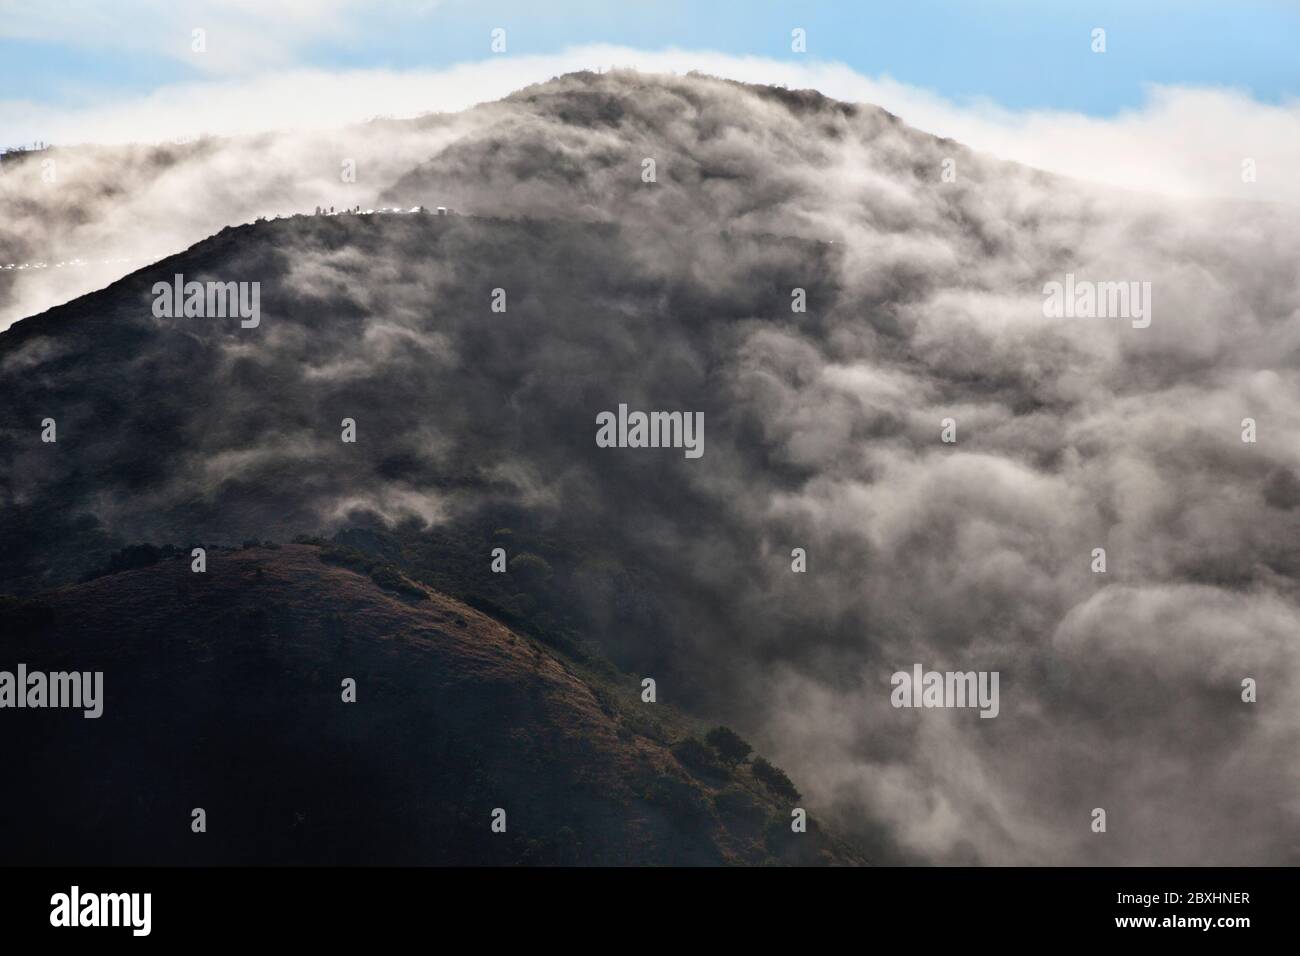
x: 239, y: 34
x: 1182, y: 141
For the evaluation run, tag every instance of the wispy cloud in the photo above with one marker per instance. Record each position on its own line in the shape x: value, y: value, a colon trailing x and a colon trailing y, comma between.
x: 1183, y: 141
x: 238, y: 35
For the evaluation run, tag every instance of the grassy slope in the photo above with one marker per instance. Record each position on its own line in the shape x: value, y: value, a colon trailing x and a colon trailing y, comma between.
x: 222, y: 691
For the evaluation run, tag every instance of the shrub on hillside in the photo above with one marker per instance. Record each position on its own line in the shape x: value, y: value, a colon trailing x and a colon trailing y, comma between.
x: 693, y: 754
x: 531, y: 567
x: 730, y: 746
x: 774, y: 778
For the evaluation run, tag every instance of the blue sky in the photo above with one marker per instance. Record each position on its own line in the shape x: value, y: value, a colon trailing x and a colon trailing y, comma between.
x: 1021, y: 55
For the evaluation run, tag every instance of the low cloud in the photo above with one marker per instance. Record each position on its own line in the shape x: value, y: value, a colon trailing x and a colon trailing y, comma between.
x: 1182, y: 141
x: 1119, y: 690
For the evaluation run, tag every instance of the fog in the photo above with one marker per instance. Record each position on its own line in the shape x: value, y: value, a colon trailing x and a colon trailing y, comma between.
x: 1119, y: 690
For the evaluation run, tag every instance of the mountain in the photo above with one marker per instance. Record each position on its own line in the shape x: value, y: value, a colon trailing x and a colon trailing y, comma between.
x: 828, y: 288
x: 728, y: 155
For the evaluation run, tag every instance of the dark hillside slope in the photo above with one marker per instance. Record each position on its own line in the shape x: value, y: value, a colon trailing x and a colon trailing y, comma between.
x: 222, y: 691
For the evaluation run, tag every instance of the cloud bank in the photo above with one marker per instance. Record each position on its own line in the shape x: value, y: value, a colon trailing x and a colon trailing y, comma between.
x: 1120, y: 690
x: 1183, y: 141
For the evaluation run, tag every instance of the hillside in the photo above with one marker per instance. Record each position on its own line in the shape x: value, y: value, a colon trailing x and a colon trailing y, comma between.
x: 222, y: 691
